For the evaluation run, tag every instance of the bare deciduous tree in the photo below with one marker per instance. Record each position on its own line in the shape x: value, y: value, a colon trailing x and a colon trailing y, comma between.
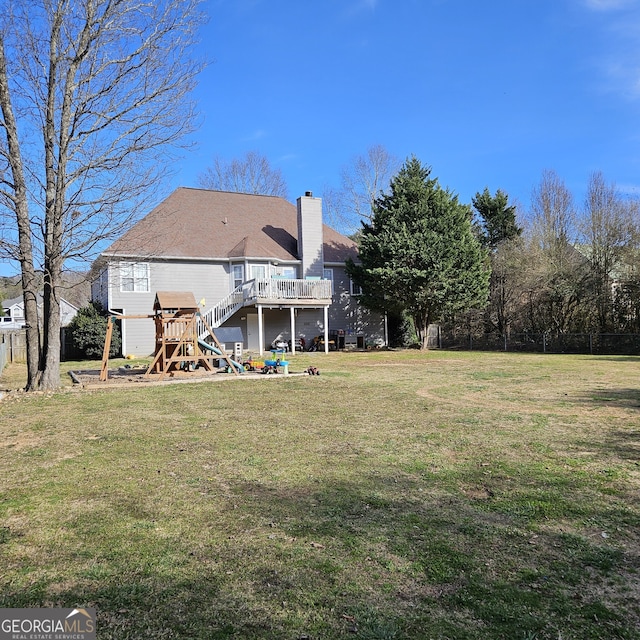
x: 553, y: 215
x: 250, y: 174
x: 558, y: 277
x: 361, y: 182
x: 94, y: 95
x: 607, y: 226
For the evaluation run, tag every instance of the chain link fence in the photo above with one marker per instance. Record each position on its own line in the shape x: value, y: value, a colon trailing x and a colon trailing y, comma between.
x: 587, y: 343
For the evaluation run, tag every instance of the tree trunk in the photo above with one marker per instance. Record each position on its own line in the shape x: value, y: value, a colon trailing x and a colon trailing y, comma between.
x: 21, y: 208
x: 56, y: 144
x: 50, y: 378
x: 32, y: 323
x: 421, y: 324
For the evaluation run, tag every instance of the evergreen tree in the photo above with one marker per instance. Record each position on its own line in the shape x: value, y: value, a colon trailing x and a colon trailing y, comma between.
x: 497, y: 218
x: 419, y: 254
x: 499, y: 233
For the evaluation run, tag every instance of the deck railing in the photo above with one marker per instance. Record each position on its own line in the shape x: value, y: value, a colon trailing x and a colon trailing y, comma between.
x: 284, y: 289
x: 222, y: 311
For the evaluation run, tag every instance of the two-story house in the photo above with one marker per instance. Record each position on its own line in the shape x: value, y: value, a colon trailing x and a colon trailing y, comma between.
x: 256, y: 262
x: 14, y: 312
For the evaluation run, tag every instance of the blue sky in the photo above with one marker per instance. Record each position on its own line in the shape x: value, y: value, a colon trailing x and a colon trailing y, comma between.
x: 488, y: 93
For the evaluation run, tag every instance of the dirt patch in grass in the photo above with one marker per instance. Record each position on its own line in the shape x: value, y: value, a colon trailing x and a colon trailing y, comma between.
x: 19, y: 441
x: 90, y: 378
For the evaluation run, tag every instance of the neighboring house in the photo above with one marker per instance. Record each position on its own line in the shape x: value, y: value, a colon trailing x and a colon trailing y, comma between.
x: 14, y: 313
x: 255, y: 262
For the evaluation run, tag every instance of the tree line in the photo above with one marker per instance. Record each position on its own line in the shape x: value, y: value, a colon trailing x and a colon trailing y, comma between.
x: 571, y: 267
x: 558, y: 268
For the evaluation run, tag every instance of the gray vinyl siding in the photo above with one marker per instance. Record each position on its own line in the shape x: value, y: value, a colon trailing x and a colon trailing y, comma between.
x: 209, y: 281
x: 348, y: 315
x: 100, y: 288
x: 309, y: 324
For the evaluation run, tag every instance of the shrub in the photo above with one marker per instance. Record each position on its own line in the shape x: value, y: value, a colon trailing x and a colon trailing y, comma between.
x: 88, y: 330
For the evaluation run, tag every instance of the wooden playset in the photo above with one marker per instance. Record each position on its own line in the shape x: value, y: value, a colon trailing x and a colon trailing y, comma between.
x: 178, y: 346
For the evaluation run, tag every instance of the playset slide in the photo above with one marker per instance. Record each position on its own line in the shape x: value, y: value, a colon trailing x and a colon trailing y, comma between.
x: 210, y: 347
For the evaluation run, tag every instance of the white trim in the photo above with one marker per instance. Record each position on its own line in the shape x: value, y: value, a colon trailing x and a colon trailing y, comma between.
x: 242, y: 266
x: 260, y: 330
x: 326, y: 329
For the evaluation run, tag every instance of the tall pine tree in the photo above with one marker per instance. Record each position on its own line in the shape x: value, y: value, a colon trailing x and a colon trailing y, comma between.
x: 499, y: 233
x: 498, y: 218
x: 419, y: 254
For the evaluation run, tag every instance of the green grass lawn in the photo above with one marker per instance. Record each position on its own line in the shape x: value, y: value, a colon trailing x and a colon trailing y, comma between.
x: 398, y: 495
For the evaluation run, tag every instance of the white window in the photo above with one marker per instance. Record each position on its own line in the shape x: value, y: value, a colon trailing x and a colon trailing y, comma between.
x: 327, y: 274
x: 356, y: 289
x: 238, y: 275
x: 258, y: 271
x: 134, y: 276
x: 289, y: 273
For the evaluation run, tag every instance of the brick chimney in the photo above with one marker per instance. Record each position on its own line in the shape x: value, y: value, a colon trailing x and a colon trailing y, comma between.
x: 310, y: 235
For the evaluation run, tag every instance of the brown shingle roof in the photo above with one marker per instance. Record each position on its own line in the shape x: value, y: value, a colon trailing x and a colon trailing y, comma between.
x: 198, y: 223
x: 175, y: 300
